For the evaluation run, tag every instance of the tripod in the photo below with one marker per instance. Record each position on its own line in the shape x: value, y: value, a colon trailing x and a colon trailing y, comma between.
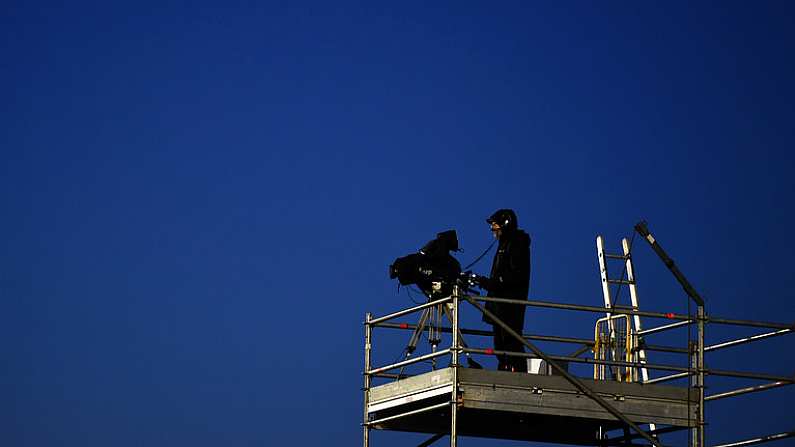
x: 432, y: 318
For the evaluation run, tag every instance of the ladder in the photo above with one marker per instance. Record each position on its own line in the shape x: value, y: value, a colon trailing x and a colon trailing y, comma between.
x: 630, y: 282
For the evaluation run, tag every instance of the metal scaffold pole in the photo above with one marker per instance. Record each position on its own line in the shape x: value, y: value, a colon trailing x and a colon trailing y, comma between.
x: 455, y: 352
x: 367, y: 347
x: 701, y: 376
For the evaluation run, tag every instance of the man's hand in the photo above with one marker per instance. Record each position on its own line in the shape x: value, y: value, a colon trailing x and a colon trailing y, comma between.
x: 483, y: 282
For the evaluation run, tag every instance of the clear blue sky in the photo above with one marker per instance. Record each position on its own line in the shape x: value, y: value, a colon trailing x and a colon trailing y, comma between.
x: 199, y: 201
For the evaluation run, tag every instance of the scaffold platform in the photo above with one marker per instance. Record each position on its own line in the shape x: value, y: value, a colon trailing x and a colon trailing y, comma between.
x: 623, y: 403
x: 521, y: 406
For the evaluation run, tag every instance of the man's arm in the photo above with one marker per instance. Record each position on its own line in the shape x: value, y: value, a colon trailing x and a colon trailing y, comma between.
x: 517, y: 275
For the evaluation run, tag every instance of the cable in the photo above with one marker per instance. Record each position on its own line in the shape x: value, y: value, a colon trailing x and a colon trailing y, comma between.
x: 481, y: 256
x: 410, y: 290
x: 411, y: 295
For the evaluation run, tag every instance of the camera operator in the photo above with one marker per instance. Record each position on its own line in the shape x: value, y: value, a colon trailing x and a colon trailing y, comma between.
x: 509, y: 278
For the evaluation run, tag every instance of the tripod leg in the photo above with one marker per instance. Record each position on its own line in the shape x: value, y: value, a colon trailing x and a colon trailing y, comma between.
x: 415, y: 337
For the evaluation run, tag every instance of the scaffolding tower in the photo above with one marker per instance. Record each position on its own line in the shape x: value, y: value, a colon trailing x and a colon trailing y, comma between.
x: 551, y: 404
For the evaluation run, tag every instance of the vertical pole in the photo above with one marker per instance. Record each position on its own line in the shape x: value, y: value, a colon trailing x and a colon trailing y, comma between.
x: 701, y: 376
x: 693, y: 349
x: 367, y: 347
x: 454, y: 352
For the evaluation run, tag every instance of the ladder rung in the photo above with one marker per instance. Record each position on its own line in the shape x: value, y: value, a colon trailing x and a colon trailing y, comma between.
x: 612, y: 256
x: 621, y: 281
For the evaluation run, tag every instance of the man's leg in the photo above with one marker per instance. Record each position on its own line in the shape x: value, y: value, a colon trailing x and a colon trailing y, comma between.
x: 515, y: 320
x: 500, y: 339
x: 516, y: 364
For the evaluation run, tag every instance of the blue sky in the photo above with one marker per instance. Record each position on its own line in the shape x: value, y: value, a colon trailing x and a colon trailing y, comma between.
x: 200, y: 200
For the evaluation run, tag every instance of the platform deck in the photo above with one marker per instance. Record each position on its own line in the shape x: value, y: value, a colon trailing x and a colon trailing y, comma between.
x: 521, y: 406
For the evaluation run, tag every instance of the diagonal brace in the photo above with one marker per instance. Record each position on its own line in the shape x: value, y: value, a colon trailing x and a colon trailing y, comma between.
x: 643, y: 229
x: 573, y: 380
x: 433, y: 439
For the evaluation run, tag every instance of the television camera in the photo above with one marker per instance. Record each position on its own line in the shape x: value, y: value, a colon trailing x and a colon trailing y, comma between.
x: 433, y: 269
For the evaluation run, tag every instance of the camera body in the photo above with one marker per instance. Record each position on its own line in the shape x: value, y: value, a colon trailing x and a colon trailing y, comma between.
x: 433, y: 263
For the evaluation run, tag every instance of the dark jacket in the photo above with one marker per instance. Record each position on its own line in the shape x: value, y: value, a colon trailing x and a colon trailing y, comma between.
x: 510, y: 273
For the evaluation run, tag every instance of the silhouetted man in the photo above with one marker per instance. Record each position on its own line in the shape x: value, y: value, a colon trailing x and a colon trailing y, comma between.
x: 509, y: 278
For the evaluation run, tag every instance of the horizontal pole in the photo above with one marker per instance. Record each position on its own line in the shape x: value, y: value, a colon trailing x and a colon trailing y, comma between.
x: 762, y: 324
x: 576, y: 359
x: 583, y: 308
x: 747, y: 375
x: 750, y: 389
x: 620, y: 363
x: 408, y: 413
x: 620, y: 441
x: 759, y: 440
x: 665, y: 327
x: 668, y: 378
x: 444, y: 329
x: 409, y: 362
x: 410, y: 310
x: 744, y: 340
x: 448, y: 330
x: 659, y: 348
x: 621, y: 310
x: 392, y: 376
